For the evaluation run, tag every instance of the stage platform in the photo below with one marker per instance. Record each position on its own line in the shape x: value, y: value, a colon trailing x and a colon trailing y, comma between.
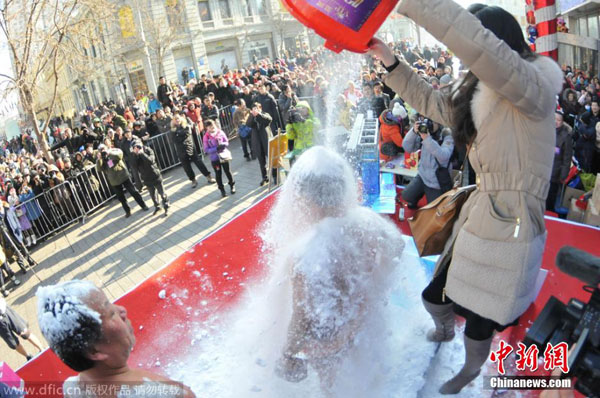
x: 216, y: 271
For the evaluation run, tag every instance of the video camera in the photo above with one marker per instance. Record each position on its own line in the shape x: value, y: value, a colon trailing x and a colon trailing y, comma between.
x: 576, y: 322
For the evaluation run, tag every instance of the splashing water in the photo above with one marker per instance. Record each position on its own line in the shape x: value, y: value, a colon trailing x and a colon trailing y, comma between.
x: 358, y: 282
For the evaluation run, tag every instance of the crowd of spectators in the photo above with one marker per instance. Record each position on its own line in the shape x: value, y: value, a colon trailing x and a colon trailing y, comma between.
x: 286, y: 94
x: 297, y: 94
x: 579, y: 104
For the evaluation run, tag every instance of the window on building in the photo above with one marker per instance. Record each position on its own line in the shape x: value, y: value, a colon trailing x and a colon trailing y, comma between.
x: 583, y: 30
x: 225, y: 9
x: 262, y: 7
x: 258, y: 53
x: 566, y: 54
x: 574, y: 26
x: 175, y: 14
x: 593, y: 26
x: 204, y: 9
x: 247, y: 8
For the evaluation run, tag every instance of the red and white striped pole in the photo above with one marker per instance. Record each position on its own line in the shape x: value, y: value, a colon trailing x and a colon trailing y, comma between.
x: 546, y: 24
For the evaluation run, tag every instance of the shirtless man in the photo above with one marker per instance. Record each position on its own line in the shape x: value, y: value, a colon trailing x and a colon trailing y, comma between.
x: 94, y: 337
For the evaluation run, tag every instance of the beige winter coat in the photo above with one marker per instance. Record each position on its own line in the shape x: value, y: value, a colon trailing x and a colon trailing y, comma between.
x: 500, y: 235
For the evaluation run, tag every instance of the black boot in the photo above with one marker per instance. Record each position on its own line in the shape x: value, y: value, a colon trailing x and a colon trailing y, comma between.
x: 223, y: 193
x: 232, y: 185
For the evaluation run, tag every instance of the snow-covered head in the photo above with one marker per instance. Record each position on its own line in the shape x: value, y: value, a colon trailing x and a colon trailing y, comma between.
x: 82, y: 327
x: 320, y: 184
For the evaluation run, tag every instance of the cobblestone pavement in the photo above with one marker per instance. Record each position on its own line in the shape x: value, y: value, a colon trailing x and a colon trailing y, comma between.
x: 118, y: 253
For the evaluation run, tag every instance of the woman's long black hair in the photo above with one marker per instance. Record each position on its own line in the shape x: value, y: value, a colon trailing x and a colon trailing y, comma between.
x: 506, y: 28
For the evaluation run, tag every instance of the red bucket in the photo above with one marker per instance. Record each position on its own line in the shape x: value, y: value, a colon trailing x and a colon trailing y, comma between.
x: 344, y: 24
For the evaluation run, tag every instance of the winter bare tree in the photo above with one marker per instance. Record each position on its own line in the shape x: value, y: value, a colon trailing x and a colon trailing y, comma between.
x: 162, y: 29
x: 42, y: 37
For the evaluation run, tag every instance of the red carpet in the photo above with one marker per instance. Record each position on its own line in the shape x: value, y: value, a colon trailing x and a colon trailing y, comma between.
x: 213, y: 274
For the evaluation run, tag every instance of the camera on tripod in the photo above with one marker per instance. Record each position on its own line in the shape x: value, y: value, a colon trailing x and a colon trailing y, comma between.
x: 575, y: 322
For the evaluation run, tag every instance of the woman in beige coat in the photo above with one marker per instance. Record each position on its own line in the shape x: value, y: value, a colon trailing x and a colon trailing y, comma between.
x: 504, y: 109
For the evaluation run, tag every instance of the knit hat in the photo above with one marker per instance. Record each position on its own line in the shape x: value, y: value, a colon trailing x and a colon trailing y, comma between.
x: 399, y: 111
x: 446, y: 80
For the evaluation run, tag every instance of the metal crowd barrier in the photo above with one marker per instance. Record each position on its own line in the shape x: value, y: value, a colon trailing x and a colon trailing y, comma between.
x: 92, y: 188
x: 51, y: 211
x: 73, y: 200
x: 164, y: 149
x: 226, y: 121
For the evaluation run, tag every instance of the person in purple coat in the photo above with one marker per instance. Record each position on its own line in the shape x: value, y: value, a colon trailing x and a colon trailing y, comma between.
x: 20, y: 212
x: 216, y: 146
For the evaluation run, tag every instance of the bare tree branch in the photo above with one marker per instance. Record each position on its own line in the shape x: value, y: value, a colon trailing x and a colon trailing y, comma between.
x: 39, y: 38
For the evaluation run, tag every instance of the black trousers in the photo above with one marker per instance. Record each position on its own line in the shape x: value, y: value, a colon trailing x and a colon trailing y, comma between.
x: 137, y: 181
x: 415, y: 191
x: 218, y: 167
x: 262, y: 163
x: 246, y: 146
x: 476, y: 326
x: 157, y: 191
x: 552, y: 193
x: 119, y: 192
x: 4, y: 268
x: 186, y: 162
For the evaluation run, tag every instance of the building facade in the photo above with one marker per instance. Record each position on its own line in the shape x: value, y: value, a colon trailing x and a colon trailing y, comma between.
x: 579, y: 47
x: 153, y: 38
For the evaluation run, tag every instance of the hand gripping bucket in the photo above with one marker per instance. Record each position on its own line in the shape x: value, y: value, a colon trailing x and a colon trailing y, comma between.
x: 344, y: 24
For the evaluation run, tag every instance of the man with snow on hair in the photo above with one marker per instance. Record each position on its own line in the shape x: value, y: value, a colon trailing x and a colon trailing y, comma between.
x: 94, y: 337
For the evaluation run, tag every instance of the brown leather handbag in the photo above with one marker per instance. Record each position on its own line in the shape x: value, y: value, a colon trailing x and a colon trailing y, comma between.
x: 431, y: 225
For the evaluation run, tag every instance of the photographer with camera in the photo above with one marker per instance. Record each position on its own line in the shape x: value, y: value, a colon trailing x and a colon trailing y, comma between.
x: 436, y: 146
x: 260, y: 122
x: 144, y: 160
x: 287, y: 99
x: 110, y: 161
x: 240, y: 118
x: 181, y: 132
x: 126, y: 145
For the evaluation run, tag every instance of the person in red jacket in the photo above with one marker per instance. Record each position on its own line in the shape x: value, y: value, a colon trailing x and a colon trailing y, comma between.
x: 194, y: 113
x: 391, y: 131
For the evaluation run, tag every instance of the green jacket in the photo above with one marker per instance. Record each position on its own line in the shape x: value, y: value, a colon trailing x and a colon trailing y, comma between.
x: 303, y: 133
x: 117, y: 174
x: 119, y: 121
